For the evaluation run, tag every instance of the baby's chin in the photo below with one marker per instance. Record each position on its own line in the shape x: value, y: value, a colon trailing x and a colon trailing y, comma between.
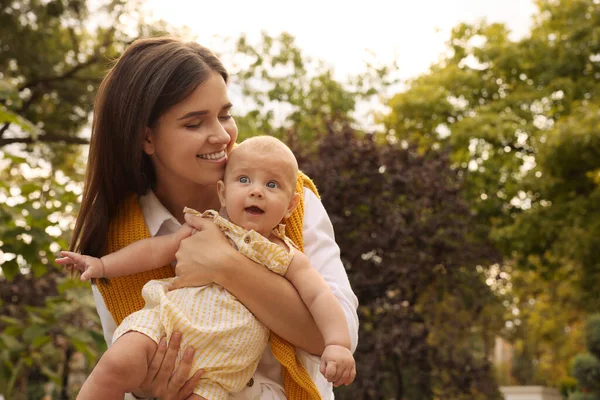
x: 249, y: 226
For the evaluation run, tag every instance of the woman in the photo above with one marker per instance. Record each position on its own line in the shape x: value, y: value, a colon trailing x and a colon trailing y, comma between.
x: 161, y: 134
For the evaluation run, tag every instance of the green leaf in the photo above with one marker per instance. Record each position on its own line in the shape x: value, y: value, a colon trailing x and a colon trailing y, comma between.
x: 33, y: 332
x: 10, y: 342
x: 10, y: 320
x: 39, y: 341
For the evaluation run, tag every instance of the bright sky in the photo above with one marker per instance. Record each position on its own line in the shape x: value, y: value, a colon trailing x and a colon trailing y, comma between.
x: 343, y: 33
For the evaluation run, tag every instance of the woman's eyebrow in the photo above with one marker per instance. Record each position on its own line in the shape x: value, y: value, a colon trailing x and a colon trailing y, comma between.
x: 194, y: 114
x: 203, y: 112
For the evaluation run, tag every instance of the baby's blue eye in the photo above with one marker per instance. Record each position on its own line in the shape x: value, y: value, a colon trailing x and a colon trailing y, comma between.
x: 244, y: 179
x: 272, y: 185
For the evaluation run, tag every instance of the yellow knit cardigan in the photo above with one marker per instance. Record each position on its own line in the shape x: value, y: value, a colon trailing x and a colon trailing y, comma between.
x: 123, y: 295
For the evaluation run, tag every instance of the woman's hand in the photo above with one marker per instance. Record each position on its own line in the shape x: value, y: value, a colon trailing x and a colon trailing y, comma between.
x: 163, y: 380
x: 202, y: 258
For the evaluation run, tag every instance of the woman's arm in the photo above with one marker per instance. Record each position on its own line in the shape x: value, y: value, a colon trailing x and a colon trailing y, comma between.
x: 324, y: 255
x: 208, y: 257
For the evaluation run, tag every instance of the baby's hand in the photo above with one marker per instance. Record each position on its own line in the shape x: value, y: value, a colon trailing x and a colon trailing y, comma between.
x: 337, y: 365
x: 91, y: 267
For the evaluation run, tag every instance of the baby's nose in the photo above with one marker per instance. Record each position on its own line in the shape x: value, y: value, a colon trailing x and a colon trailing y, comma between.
x: 256, y: 191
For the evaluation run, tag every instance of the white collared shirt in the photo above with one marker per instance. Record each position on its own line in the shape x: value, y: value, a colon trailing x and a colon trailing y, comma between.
x: 324, y: 255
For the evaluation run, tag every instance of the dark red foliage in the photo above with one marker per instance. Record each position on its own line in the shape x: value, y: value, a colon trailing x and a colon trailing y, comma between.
x: 403, y: 229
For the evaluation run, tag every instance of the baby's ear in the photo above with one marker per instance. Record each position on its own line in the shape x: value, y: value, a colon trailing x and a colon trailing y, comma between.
x: 221, y: 192
x: 293, y: 204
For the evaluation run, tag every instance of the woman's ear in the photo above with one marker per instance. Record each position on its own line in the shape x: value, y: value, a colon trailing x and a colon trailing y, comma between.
x: 221, y: 192
x: 293, y: 204
x: 148, y: 144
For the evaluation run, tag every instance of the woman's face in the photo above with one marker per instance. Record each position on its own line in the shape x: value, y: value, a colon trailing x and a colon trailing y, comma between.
x: 191, y: 141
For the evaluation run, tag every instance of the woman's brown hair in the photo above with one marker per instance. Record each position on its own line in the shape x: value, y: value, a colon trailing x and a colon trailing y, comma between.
x: 151, y: 76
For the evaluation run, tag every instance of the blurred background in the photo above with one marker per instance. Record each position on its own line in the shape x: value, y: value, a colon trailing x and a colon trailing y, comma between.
x: 456, y: 146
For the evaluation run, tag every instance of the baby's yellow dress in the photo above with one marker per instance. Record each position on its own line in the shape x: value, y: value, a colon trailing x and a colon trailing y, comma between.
x: 228, y: 339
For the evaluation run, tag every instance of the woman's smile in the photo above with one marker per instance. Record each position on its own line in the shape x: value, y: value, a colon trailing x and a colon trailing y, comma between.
x: 213, y: 156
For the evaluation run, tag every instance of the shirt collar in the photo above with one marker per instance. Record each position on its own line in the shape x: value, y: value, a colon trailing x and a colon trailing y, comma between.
x: 155, y: 214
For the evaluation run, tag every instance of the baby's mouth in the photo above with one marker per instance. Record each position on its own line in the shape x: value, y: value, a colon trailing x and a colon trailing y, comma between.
x: 254, y: 210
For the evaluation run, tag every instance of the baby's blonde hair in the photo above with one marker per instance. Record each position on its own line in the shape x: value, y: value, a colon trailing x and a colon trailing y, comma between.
x: 264, y: 145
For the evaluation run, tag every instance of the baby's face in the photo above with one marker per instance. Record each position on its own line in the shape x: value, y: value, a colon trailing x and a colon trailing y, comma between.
x: 258, y: 191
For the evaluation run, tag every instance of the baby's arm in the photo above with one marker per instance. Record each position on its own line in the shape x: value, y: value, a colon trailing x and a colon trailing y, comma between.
x: 337, y: 362
x: 143, y: 255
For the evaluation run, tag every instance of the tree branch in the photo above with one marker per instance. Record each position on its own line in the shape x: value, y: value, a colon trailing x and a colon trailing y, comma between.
x: 66, y: 75
x: 45, y: 138
x: 74, y: 39
x: 35, y: 95
x: 95, y: 57
x: 4, y: 128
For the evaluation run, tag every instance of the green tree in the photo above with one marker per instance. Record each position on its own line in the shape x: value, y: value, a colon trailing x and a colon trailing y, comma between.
x: 290, y: 90
x: 53, y: 54
x: 544, y: 327
x: 521, y: 120
x: 586, y: 366
x: 498, y: 103
x: 562, y: 227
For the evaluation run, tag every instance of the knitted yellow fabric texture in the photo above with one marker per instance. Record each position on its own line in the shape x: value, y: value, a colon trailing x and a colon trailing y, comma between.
x: 123, y: 295
x: 296, y: 380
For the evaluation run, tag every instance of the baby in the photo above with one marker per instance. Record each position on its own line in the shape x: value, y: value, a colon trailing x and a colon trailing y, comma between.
x: 258, y: 191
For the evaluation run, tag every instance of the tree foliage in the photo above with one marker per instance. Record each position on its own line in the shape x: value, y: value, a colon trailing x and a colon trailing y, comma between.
x: 404, y: 232
x: 496, y: 147
x: 521, y: 120
x: 53, y: 54
x: 586, y: 366
x: 543, y: 326
x: 288, y: 89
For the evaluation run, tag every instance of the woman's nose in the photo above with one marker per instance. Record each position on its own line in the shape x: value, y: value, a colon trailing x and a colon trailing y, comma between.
x: 219, y: 135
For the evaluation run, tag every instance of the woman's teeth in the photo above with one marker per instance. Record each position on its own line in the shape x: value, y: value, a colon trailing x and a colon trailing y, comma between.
x: 212, y: 156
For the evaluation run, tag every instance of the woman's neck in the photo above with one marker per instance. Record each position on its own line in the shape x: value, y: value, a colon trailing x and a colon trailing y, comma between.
x: 199, y: 197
